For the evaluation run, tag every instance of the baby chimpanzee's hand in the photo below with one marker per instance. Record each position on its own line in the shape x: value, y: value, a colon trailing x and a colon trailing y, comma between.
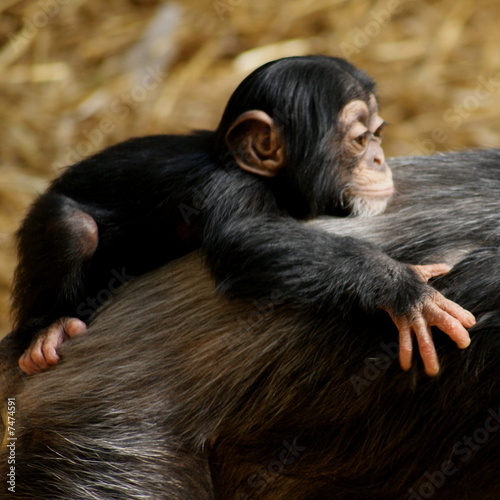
x: 435, y: 310
x: 42, y: 352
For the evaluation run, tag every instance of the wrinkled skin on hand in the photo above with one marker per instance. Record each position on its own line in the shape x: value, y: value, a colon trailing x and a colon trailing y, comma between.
x: 435, y: 310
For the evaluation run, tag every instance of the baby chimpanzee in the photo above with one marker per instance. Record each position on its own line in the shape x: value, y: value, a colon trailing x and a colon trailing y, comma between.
x: 300, y: 137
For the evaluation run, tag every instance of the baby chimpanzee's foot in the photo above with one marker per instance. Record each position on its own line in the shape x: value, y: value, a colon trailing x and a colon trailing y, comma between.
x: 43, y: 349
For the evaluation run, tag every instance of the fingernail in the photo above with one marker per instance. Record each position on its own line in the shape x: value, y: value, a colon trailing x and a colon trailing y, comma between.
x: 405, y: 368
x: 465, y: 344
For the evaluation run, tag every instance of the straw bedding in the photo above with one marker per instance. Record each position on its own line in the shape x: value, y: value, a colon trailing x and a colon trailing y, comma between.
x: 78, y: 75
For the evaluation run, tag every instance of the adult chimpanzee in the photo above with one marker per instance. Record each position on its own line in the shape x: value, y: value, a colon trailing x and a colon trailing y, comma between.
x: 208, y: 398
x: 300, y: 137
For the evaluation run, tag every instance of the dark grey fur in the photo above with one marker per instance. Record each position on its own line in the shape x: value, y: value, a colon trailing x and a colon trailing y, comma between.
x: 179, y: 393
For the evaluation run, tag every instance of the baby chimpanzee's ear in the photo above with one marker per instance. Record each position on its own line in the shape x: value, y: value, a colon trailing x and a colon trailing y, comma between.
x: 256, y: 144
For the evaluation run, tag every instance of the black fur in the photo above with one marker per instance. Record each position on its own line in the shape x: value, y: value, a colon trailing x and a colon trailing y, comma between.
x: 176, y: 393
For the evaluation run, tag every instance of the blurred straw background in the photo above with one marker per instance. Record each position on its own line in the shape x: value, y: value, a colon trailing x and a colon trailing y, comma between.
x: 78, y: 75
